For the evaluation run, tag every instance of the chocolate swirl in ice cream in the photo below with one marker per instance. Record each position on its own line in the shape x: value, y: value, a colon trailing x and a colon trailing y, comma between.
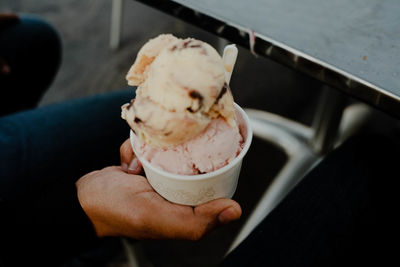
x: 181, y: 89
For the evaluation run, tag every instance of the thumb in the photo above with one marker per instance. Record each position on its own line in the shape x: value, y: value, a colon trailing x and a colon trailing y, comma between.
x: 220, y: 210
x: 184, y: 222
x: 207, y: 216
x: 129, y: 161
x: 126, y: 153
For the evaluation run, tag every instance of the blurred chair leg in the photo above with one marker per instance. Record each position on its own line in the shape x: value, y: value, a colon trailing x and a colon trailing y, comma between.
x: 327, y: 119
x: 116, y: 24
x: 305, y: 147
x: 293, y: 138
x: 355, y: 116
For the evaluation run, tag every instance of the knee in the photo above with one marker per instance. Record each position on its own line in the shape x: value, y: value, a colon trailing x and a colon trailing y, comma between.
x: 41, y: 28
x: 43, y: 37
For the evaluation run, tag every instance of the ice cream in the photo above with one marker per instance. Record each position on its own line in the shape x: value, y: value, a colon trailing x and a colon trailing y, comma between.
x: 215, y: 147
x: 183, y: 114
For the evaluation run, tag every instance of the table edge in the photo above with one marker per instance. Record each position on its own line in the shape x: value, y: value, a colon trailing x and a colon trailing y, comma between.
x: 285, y: 55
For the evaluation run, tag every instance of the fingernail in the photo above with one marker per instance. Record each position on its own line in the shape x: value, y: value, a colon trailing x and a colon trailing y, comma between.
x: 134, y: 166
x: 124, y: 167
x: 228, y: 215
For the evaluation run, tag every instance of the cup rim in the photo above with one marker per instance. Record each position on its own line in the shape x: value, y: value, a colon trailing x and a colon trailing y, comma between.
x: 204, y: 176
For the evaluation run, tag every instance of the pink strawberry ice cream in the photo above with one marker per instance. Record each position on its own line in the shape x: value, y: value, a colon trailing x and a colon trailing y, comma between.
x: 183, y: 115
x: 214, y: 148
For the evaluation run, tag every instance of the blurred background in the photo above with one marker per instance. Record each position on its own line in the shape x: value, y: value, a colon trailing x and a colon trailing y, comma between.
x: 89, y: 67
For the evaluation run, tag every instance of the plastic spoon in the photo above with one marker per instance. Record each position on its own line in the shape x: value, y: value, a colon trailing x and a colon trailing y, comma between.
x: 229, y: 59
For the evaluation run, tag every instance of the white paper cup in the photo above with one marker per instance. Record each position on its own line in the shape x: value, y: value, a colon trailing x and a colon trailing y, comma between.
x: 197, y: 189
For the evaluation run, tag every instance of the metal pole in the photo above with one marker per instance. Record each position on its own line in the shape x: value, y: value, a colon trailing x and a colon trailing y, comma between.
x: 293, y: 138
x: 327, y: 120
x: 116, y: 22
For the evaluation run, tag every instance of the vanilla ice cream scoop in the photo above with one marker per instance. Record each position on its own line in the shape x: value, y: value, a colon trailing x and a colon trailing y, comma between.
x: 181, y: 88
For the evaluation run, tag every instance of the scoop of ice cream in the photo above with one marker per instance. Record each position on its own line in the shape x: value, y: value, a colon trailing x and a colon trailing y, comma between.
x: 213, y: 148
x: 138, y: 71
x: 181, y: 88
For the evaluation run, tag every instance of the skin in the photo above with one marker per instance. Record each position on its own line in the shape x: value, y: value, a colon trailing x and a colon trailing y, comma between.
x: 6, y: 20
x: 120, y: 202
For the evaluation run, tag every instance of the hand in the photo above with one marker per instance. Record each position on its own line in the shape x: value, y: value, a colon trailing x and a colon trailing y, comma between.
x: 8, y: 19
x: 129, y: 162
x: 122, y: 204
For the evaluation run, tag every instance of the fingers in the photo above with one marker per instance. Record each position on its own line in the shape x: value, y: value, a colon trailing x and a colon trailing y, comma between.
x: 126, y: 153
x: 135, y: 167
x: 212, y: 214
x: 223, y: 210
x: 119, y: 204
x: 193, y: 223
x: 129, y: 161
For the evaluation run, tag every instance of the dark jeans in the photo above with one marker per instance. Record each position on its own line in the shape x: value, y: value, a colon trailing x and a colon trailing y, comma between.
x: 60, y: 142
x: 32, y: 49
x: 342, y: 214
x: 43, y: 152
